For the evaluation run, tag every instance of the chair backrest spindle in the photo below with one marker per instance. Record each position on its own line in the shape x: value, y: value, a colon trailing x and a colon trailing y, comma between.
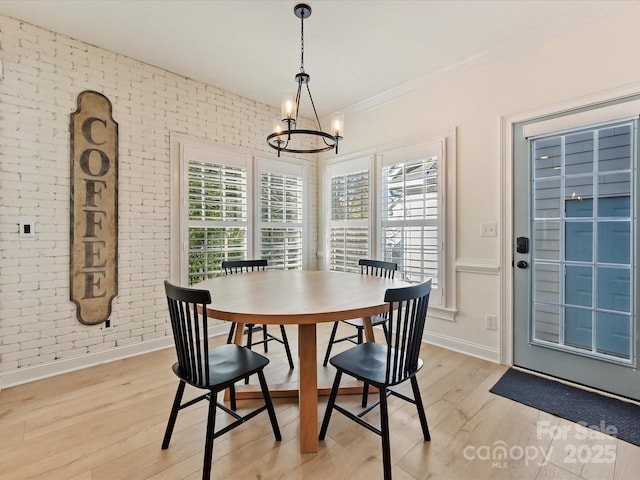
x: 377, y: 268
x: 240, y: 266
x: 188, y: 313
x: 407, y: 317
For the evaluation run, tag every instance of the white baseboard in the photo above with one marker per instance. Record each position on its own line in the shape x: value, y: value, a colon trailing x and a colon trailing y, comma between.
x: 462, y: 346
x: 38, y: 372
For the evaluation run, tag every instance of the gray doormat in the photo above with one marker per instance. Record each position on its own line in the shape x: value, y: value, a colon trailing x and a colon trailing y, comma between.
x: 622, y: 419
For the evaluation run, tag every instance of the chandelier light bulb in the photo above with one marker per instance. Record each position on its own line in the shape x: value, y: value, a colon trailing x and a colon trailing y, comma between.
x: 278, y: 128
x: 288, y: 106
x: 337, y: 124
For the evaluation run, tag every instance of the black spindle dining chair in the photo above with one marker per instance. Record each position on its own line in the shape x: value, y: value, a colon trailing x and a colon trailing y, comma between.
x: 387, y: 365
x: 211, y: 369
x: 377, y: 268
x: 241, y: 266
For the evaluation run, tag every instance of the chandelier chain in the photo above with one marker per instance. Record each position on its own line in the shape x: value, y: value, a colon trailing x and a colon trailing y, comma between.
x: 302, y: 43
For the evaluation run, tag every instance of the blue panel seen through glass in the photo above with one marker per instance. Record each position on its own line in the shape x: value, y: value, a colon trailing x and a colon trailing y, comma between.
x: 579, y: 285
x: 613, y: 334
x: 578, y: 327
x: 579, y: 241
x: 579, y: 208
x: 614, y: 242
x: 614, y: 289
x: 614, y: 206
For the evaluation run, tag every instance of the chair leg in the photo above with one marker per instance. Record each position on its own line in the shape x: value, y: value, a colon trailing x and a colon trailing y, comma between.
x: 211, y: 429
x: 173, y: 415
x: 269, y: 403
x: 285, y: 340
x: 249, y: 345
x: 384, y: 428
x: 232, y: 330
x: 265, y: 343
x: 232, y: 398
x: 365, y: 394
x: 360, y: 339
x: 330, y: 404
x: 249, y: 336
x: 420, y: 407
x: 331, y: 339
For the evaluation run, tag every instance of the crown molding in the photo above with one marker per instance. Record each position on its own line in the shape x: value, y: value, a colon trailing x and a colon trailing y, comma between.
x: 517, y: 44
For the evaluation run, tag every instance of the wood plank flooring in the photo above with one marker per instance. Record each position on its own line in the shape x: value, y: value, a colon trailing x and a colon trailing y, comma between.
x: 107, y: 422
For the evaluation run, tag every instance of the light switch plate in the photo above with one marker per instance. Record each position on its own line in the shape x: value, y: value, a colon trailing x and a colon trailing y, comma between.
x: 27, y: 228
x: 488, y: 229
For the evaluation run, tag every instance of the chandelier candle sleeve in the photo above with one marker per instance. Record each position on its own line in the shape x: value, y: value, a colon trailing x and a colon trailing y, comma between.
x: 288, y: 107
x: 285, y: 136
x: 337, y: 124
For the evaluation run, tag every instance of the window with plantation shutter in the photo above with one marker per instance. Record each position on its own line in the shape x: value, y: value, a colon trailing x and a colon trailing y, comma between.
x: 396, y: 204
x: 217, y: 217
x: 281, y: 226
x: 411, y: 213
x: 229, y: 204
x: 349, y: 221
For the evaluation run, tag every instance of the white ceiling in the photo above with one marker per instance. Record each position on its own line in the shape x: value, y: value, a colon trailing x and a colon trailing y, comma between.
x: 355, y: 50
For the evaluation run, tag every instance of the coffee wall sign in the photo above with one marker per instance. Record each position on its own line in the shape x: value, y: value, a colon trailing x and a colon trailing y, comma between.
x: 94, y: 208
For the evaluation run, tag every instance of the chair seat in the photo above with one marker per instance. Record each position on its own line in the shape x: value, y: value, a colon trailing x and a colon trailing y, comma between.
x: 228, y: 364
x: 359, y: 322
x: 366, y: 362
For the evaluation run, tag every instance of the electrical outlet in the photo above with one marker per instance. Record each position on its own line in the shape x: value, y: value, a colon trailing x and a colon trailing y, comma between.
x: 491, y: 322
x: 108, y: 325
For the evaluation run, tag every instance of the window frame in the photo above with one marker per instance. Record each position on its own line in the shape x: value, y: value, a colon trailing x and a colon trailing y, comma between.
x: 348, y: 167
x: 264, y: 165
x: 443, y: 301
x: 410, y: 154
x: 183, y: 148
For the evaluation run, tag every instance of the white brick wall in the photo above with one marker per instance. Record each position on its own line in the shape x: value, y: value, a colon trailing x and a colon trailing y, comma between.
x: 43, y: 74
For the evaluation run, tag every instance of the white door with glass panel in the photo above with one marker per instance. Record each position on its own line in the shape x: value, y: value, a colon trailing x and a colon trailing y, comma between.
x: 575, y: 276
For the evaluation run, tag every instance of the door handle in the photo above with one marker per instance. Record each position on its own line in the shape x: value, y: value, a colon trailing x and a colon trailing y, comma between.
x: 522, y: 264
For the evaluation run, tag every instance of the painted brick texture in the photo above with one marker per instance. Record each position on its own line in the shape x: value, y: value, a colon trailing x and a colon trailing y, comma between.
x: 43, y: 74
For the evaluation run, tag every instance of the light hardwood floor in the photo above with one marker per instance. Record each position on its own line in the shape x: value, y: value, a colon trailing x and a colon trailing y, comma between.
x: 107, y: 422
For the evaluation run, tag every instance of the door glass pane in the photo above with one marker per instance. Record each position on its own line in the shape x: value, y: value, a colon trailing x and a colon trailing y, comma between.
x: 578, y: 153
x: 546, y: 201
x: 547, y: 241
x: 547, y: 157
x: 614, y: 152
x: 615, y: 206
x: 547, y: 283
x: 578, y: 331
x: 578, y: 207
x: 578, y: 243
x: 613, y: 334
x: 614, y: 289
x: 578, y: 285
x: 582, y: 242
x: 614, y: 242
x: 547, y: 326
x: 578, y: 196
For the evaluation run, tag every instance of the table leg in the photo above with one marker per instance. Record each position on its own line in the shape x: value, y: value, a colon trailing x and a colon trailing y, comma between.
x: 237, y: 335
x: 368, y: 330
x: 308, y: 393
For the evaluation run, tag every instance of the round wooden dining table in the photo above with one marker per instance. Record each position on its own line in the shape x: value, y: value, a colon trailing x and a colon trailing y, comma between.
x: 304, y: 298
